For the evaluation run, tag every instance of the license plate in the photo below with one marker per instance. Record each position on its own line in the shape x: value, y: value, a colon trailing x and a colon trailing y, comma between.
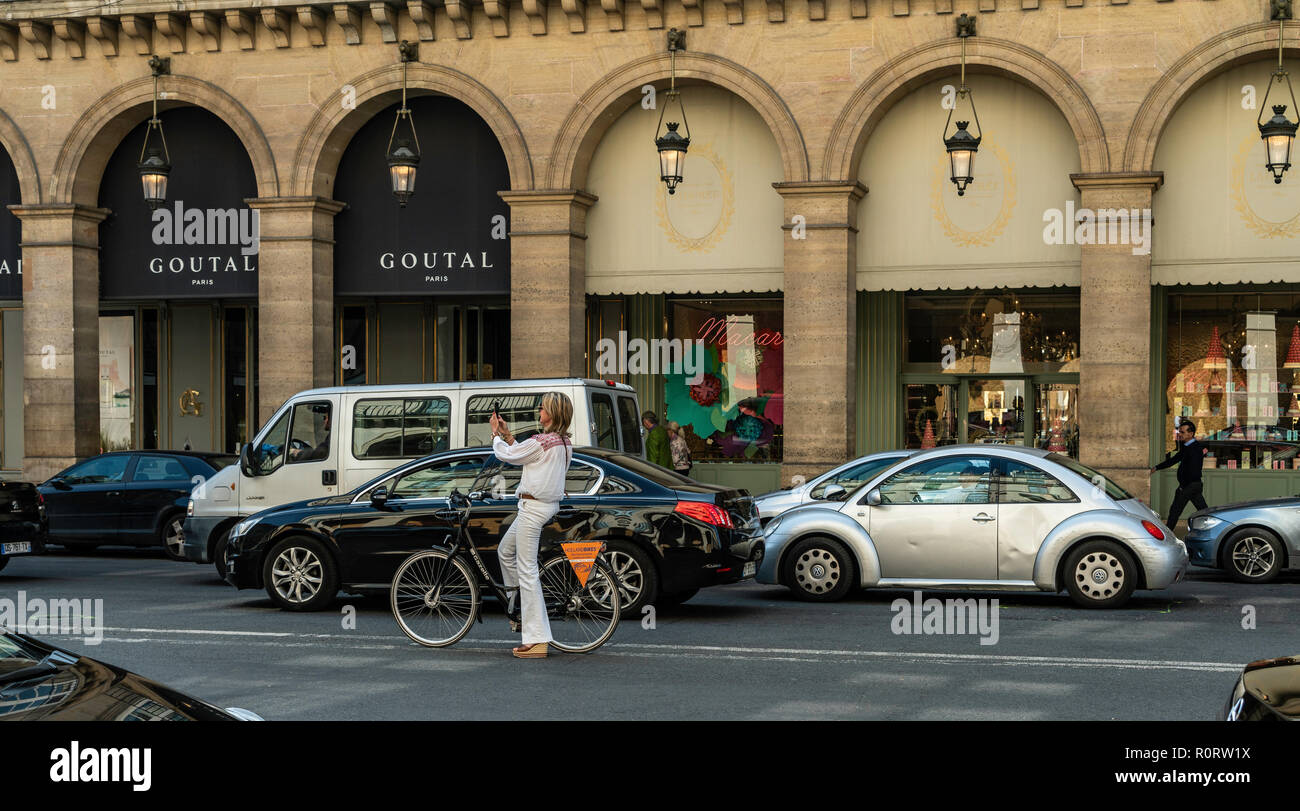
x: 15, y: 548
x: 750, y: 568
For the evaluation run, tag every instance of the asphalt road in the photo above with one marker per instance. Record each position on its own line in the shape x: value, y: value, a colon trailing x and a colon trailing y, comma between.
x: 744, y: 651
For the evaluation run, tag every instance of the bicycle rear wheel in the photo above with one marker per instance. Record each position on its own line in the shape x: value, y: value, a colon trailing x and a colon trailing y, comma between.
x: 582, y: 617
x: 431, y: 616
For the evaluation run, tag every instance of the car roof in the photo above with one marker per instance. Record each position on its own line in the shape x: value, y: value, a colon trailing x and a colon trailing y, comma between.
x: 991, y: 449
x: 402, y: 388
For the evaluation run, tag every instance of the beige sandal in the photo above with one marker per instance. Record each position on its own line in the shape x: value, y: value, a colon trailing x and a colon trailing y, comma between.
x: 537, y: 650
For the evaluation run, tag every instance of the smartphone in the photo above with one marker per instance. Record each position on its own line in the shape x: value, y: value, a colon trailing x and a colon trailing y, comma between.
x: 496, y: 409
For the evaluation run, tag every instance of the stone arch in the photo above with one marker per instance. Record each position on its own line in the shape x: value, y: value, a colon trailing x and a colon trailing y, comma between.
x: 20, y: 152
x: 614, y: 93
x: 1215, y: 55
x: 100, y: 130
x: 872, y: 100
x: 333, y: 126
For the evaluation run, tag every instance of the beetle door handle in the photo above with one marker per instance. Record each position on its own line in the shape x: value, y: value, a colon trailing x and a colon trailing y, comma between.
x: 983, y: 518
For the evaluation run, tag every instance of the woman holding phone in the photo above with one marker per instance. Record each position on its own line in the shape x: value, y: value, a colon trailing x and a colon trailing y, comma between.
x: 545, y: 459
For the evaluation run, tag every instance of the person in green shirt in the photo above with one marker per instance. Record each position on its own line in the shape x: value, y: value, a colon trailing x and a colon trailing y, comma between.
x: 657, y: 448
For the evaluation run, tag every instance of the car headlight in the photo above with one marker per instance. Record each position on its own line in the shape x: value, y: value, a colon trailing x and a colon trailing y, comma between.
x: 189, y: 509
x: 243, y: 527
x: 1204, y: 522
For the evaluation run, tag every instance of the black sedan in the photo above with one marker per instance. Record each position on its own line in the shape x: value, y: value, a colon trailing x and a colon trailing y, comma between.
x: 127, y: 498
x: 666, y: 535
x: 39, y: 682
x: 23, y: 523
x: 1268, y: 690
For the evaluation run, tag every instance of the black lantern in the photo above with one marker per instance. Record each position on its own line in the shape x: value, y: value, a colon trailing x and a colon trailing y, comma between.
x: 672, y: 145
x: 404, y: 153
x: 962, y: 145
x: 1278, y: 133
x: 155, y: 162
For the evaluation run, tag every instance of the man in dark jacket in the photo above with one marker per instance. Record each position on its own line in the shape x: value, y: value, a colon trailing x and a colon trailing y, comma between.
x: 657, y: 447
x: 1188, y: 458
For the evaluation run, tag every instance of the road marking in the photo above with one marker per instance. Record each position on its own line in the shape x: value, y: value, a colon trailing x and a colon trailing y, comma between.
x: 721, y: 651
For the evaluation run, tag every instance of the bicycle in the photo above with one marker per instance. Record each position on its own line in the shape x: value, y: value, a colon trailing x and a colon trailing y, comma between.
x: 436, y: 597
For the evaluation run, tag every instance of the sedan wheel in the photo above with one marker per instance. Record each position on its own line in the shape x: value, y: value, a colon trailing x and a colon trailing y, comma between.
x: 820, y: 569
x: 1100, y: 574
x: 300, y: 575
x: 174, y: 537
x: 1254, y: 556
x: 638, y: 580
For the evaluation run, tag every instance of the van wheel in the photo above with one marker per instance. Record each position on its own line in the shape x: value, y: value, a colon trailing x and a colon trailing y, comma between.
x: 300, y: 575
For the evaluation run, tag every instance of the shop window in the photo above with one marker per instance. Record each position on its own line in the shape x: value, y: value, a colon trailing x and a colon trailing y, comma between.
x: 1231, y: 367
x: 116, y: 381
x: 931, y: 416
x: 724, y: 382
x: 993, y: 331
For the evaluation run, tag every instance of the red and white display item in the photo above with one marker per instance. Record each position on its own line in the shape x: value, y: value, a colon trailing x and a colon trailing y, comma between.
x: 1293, y: 354
x: 1214, y: 358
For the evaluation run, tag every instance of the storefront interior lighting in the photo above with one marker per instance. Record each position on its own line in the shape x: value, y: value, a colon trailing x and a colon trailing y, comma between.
x: 962, y: 145
x: 404, y: 153
x: 1278, y: 133
x: 155, y: 161
x: 672, y: 145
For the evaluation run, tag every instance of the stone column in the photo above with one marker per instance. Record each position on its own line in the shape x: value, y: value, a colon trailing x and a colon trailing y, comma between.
x: 821, y: 251
x: 548, y: 281
x: 1115, y: 336
x: 295, y: 298
x: 60, y: 336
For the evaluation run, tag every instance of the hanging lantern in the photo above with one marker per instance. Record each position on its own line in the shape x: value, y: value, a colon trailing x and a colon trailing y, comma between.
x: 962, y: 145
x: 404, y: 153
x: 155, y: 162
x: 1214, y: 358
x: 1278, y: 133
x: 672, y: 145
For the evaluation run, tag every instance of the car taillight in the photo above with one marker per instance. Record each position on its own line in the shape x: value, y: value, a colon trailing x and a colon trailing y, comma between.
x: 1153, y: 530
x: 708, y: 513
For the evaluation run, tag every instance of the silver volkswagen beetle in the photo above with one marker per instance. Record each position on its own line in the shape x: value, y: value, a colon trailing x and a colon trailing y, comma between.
x: 985, y: 517
x: 832, y: 486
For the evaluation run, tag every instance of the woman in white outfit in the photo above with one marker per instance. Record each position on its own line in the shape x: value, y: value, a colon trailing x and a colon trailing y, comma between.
x: 545, y: 458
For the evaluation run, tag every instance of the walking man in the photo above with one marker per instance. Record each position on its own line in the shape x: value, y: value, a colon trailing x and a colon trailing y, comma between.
x: 657, y: 448
x: 1189, y: 457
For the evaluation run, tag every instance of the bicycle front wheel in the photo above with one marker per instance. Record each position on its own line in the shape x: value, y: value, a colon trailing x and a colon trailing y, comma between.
x: 582, y: 617
x: 434, y: 598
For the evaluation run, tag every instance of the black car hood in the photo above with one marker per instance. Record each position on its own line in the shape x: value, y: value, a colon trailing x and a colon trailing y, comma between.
x: 1289, y: 501
x: 1275, y: 683
x: 90, y: 690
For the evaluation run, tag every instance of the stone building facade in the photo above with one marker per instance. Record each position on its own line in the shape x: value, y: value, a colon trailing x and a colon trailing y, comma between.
x: 1088, y: 86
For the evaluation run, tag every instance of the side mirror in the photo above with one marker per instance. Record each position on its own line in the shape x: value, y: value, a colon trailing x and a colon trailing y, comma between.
x: 379, y: 498
x: 246, y: 460
x: 873, y: 498
x: 60, y: 484
x: 833, y: 492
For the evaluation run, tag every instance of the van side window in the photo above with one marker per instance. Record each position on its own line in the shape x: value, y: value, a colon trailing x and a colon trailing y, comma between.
x: 310, y: 432
x: 631, y: 423
x: 399, y: 428
x: 602, y: 413
x: 518, y: 410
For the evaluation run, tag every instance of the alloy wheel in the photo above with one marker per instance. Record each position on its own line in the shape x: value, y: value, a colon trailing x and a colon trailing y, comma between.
x: 1099, y: 575
x: 817, y: 571
x: 175, y: 538
x: 630, y: 577
x: 1252, y: 556
x: 297, y: 574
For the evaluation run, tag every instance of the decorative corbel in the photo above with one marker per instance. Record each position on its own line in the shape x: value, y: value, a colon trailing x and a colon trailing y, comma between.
x: 776, y: 11
x: 105, y: 30
x: 208, y: 24
x: 576, y: 11
x: 276, y: 21
x: 422, y: 15
x: 140, y: 29
x: 171, y: 26
x: 695, y: 14
x: 311, y: 19
x: 38, y: 34
x: 535, y: 10
x: 73, y: 34
x: 385, y: 16
x: 654, y: 13
x: 735, y: 11
x: 243, y: 24
x: 461, y: 12
x: 9, y: 42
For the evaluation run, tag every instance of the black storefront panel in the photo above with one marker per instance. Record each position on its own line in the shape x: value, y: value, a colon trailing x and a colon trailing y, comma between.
x: 204, y: 241
x: 451, y: 237
x: 11, y: 232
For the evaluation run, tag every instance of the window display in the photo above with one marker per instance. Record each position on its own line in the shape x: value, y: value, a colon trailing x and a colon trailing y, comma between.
x: 993, y: 331
x: 731, y: 409
x: 1231, y: 368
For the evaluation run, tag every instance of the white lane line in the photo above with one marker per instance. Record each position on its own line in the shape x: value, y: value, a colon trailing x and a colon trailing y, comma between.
x: 726, y: 652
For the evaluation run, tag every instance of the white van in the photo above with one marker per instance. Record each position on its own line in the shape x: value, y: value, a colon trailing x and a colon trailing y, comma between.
x: 325, y: 442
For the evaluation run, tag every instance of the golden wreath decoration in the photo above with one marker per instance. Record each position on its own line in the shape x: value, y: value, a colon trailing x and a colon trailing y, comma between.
x: 708, y: 241
x: 1267, y: 229
x: 961, y: 236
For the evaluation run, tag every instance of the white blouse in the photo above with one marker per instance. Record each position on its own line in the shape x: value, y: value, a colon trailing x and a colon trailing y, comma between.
x: 545, y: 459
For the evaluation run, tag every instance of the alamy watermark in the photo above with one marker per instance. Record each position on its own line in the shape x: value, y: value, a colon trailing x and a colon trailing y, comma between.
x: 178, y: 225
x: 944, y: 617
x: 1103, y: 226
x: 82, y: 617
x: 656, y: 356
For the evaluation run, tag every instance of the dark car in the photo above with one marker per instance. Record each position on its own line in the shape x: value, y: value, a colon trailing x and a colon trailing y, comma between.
x: 666, y: 535
x: 127, y: 498
x: 23, y: 522
x: 1268, y: 690
x: 39, y: 682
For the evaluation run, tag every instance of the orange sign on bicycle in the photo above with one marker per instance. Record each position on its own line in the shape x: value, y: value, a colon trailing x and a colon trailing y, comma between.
x: 582, y: 556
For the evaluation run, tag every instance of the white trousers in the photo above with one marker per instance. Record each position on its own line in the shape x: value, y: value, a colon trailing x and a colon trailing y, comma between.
x: 517, y: 554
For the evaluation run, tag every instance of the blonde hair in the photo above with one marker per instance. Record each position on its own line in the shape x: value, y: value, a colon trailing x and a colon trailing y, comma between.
x: 560, y: 407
